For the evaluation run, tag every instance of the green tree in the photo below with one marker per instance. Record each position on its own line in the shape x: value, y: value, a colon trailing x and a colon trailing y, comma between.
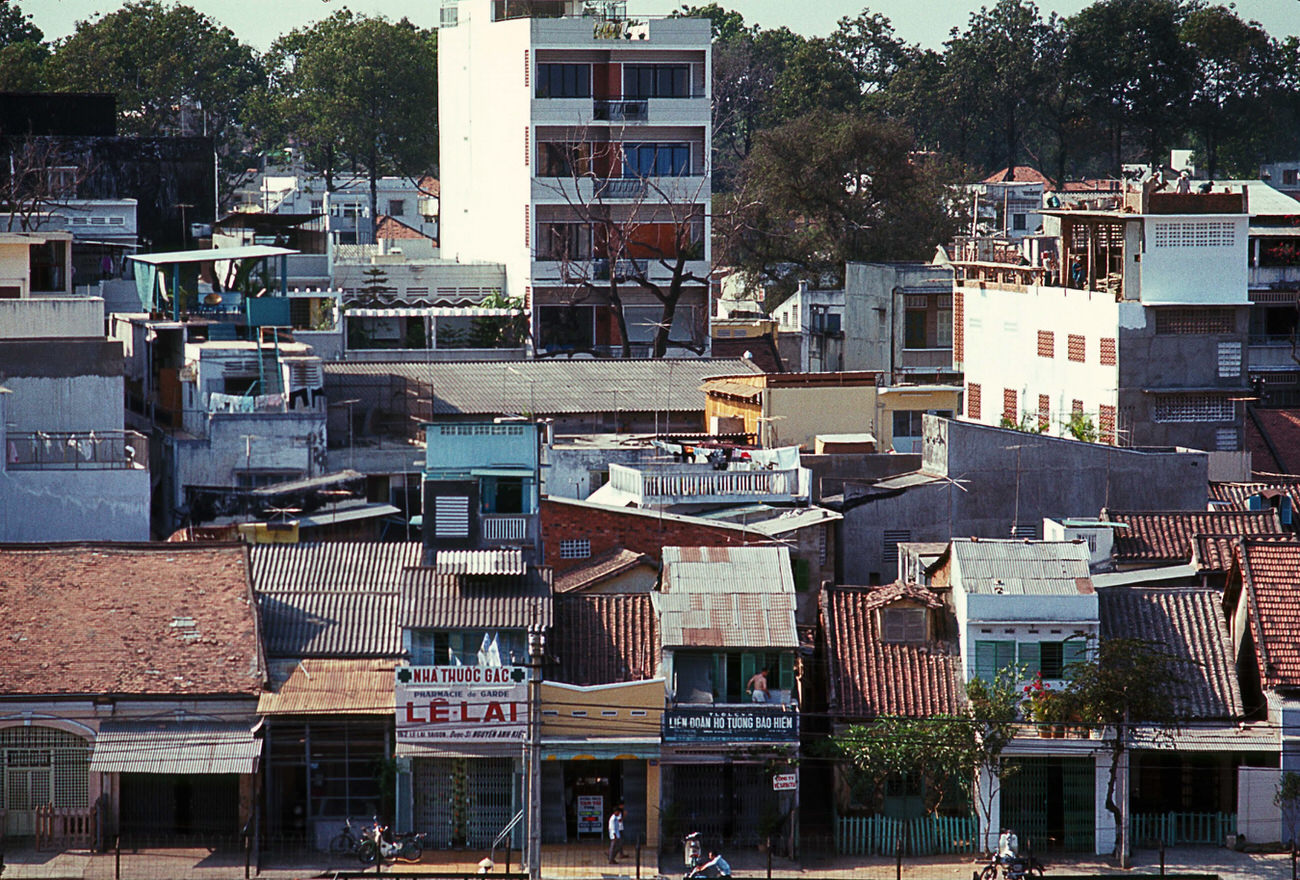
x: 23, y: 52
x: 827, y: 188
x: 1002, y: 49
x: 16, y: 26
x: 1131, y: 60
x: 815, y: 77
x: 1235, y: 70
x: 994, y: 708
x: 1125, y: 683
x: 869, y: 45
x: 942, y: 749
x: 727, y: 23
x: 357, y: 87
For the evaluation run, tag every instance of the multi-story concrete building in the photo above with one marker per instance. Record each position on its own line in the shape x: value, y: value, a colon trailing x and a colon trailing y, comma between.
x: 589, y: 174
x: 898, y: 319
x: 1136, y: 322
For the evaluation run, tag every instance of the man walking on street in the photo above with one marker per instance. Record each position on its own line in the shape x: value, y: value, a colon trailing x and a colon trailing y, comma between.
x: 616, y: 834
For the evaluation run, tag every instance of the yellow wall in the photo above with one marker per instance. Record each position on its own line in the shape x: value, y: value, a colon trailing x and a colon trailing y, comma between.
x: 592, y: 702
x: 799, y: 414
x: 14, y: 264
x: 727, y: 408
x: 899, y: 398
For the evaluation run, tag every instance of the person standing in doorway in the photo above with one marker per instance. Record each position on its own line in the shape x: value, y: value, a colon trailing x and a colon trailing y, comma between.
x: 758, y: 686
x: 616, y: 834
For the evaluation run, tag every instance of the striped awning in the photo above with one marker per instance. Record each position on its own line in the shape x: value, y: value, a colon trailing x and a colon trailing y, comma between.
x: 175, y: 747
x: 433, y: 312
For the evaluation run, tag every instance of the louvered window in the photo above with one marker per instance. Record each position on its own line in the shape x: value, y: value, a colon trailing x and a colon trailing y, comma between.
x: 451, y: 516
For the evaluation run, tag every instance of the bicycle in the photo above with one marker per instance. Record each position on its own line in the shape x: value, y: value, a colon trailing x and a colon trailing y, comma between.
x: 345, y: 842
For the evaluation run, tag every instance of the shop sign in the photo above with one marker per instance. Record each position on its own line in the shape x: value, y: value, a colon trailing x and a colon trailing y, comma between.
x: 461, y: 703
x: 591, y: 814
x: 785, y: 782
x: 731, y: 724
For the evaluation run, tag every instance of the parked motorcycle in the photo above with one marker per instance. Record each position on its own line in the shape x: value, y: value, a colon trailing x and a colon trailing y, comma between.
x: 1020, y: 867
x: 376, y: 845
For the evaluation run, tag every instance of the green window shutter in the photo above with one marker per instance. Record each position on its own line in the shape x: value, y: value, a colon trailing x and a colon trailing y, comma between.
x: 787, y: 672
x: 1075, y: 651
x: 801, y: 575
x: 720, y: 677
x: 1006, y: 655
x: 985, y: 660
x: 1031, y: 657
x: 748, y: 666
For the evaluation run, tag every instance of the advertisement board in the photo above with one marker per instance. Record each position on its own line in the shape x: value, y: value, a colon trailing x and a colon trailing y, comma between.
x: 591, y: 814
x: 439, y: 704
x: 731, y: 724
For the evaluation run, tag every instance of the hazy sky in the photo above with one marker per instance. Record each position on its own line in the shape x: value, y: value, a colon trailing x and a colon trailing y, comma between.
x: 918, y: 21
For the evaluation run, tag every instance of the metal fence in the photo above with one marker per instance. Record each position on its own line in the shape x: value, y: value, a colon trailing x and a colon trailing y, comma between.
x: 1172, y: 829
x: 922, y: 836
x: 76, y: 450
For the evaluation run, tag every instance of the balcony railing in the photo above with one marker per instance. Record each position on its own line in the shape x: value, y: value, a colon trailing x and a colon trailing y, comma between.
x: 701, y: 482
x: 504, y: 528
x: 606, y: 110
x: 76, y: 450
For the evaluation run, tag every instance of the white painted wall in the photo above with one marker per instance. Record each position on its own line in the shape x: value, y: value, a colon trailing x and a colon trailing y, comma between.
x: 1259, y: 820
x: 43, y: 317
x: 1001, y: 349
x: 1213, y: 271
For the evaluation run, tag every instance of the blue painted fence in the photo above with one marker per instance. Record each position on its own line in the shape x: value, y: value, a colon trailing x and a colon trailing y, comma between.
x: 922, y: 836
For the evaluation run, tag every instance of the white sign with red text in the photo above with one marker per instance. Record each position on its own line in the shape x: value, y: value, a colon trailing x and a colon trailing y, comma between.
x: 785, y: 782
x: 461, y: 703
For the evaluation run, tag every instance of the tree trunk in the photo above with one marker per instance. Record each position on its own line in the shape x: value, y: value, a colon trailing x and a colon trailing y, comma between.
x: 374, y: 194
x: 663, y: 331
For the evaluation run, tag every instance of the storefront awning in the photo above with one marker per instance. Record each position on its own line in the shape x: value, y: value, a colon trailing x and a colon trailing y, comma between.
x: 432, y: 312
x: 175, y: 747
x: 601, y: 750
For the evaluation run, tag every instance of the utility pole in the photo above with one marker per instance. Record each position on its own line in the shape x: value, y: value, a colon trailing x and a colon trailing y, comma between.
x: 533, y: 787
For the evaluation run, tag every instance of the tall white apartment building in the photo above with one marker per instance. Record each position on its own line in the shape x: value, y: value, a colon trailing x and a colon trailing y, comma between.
x: 1133, y: 320
x: 575, y: 150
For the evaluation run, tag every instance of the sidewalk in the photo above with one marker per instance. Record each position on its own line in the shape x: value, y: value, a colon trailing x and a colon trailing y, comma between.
x: 588, y: 862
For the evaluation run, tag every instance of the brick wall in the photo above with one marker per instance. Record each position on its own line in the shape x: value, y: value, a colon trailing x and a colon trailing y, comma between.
x: 608, y: 529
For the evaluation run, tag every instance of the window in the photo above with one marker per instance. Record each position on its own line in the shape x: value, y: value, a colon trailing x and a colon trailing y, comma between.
x: 889, y: 547
x: 656, y: 160
x: 1108, y: 352
x: 972, y: 400
x: 505, y: 495
x: 564, y: 80
x: 914, y: 328
x: 991, y: 656
x: 1018, y: 222
x: 1194, y: 408
x: 566, y: 328
x: 563, y: 160
x: 1106, y: 424
x: 1193, y: 233
x: 958, y: 331
x: 451, y: 516
x: 396, y: 207
x: 907, y: 423
x: 1225, y: 440
x: 578, y: 548
x: 1010, y: 407
x: 943, y: 329
x: 1076, y: 348
x: 564, y: 241
x: 1024, y: 530
x: 1229, y: 360
x: 470, y: 647
x: 1290, y: 177
x: 1194, y: 321
x: 903, y: 624
x: 656, y: 81
x: 1046, y: 344
x: 1044, y: 412
x: 1052, y: 659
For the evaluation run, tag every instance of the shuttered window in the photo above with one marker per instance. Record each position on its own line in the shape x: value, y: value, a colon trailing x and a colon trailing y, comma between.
x: 991, y: 656
x: 451, y: 516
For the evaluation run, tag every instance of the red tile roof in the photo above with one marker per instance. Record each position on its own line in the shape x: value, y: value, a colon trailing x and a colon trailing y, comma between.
x: 392, y: 228
x: 1273, y: 439
x: 868, y: 677
x: 603, y: 639
x: 429, y: 185
x: 1270, y: 572
x: 1018, y: 174
x: 1215, y: 553
x: 1167, y: 535
x: 601, y: 568
x: 1237, y: 495
x: 156, y: 619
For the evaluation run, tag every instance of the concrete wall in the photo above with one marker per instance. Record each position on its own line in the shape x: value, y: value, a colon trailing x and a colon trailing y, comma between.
x: 799, y: 414
x: 996, y: 482
x: 830, y: 471
x: 1259, y: 820
x: 289, y: 442
x: 63, y: 385
x: 873, y: 312
x: 74, y: 505
x: 45, y: 317
x: 1213, y: 272
x: 569, y: 467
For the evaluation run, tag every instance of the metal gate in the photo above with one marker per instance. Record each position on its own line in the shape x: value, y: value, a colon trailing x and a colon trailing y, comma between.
x: 1051, y: 803
x: 39, y: 766
x: 463, y: 801
x: 725, y: 803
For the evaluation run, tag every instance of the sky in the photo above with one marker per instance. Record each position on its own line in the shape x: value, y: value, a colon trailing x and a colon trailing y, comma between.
x: 928, y: 22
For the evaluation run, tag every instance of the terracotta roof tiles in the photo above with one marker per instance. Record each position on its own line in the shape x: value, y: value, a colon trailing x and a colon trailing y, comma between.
x: 869, y: 677
x: 602, y: 639
x: 165, y: 619
x: 1167, y: 535
x: 1271, y: 574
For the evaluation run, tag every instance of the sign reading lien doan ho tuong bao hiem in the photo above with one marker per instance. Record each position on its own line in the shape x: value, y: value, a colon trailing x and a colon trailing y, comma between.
x: 461, y: 703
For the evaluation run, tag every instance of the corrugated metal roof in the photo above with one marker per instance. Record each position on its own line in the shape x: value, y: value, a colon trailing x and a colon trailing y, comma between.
x: 727, y: 597
x: 434, y: 599
x: 732, y: 388
x: 175, y: 747
x: 332, y: 687
x: 727, y: 570
x: 341, y: 566
x: 547, y: 387
x: 506, y: 560
x: 1022, y: 567
x: 1189, y: 625
x: 330, y: 624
